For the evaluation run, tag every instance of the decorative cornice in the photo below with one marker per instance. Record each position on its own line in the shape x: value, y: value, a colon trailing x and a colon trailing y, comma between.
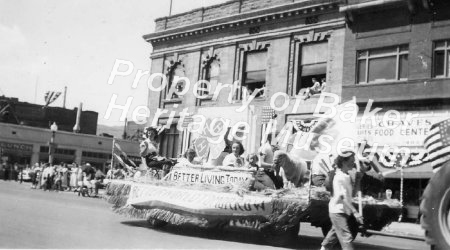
x: 172, y: 64
x: 267, y: 36
x: 244, y: 19
x: 254, y: 45
x: 313, y: 36
x: 209, y: 57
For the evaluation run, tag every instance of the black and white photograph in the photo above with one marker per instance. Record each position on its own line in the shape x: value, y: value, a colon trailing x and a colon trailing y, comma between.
x: 225, y: 124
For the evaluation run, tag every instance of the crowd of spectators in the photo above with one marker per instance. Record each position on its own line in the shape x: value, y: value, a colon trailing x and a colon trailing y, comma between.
x: 62, y: 177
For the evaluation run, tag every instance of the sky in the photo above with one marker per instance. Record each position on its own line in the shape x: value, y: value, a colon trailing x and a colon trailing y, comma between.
x: 46, y: 45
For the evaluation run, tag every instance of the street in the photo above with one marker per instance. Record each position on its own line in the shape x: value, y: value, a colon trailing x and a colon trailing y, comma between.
x: 37, y: 219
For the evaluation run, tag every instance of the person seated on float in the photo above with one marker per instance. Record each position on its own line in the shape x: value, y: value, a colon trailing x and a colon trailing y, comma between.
x: 252, y: 161
x: 262, y: 180
x: 227, y: 150
x: 234, y: 159
x: 189, y: 157
x: 149, y: 150
x: 266, y: 152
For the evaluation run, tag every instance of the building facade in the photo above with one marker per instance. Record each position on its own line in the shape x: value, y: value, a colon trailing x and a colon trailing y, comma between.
x: 392, y: 55
x: 28, y: 145
x: 273, y: 48
x: 16, y: 112
x: 402, y: 67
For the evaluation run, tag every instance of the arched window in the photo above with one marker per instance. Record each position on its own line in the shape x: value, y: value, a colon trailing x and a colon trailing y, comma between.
x: 210, y: 77
x: 174, y: 69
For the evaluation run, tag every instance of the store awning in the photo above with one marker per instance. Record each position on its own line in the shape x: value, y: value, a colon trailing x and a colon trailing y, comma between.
x: 423, y: 171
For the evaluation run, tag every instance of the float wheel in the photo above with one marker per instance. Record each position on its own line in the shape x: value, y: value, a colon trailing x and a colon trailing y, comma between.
x: 155, y: 223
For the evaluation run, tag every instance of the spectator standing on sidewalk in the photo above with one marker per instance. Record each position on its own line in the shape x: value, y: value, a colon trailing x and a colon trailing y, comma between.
x: 73, y: 176
x: 99, y: 176
x: 340, y: 206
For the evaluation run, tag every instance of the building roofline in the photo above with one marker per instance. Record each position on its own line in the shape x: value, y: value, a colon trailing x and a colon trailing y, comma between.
x: 247, y: 18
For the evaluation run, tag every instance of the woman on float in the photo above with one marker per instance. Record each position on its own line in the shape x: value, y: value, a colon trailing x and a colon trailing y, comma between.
x: 149, y: 151
x: 234, y: 159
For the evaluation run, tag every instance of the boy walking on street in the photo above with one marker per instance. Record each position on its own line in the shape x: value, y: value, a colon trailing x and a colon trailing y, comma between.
x: 340, y: 206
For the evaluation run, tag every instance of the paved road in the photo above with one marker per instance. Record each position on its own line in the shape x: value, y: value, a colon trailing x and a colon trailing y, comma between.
x: 37, y: 219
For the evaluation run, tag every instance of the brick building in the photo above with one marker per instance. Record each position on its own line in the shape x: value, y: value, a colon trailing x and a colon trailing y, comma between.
x: 25, y: 135
x: 401, y: 64
x: 34, y: 115
x: 392, y: 55
x: 275, y: 46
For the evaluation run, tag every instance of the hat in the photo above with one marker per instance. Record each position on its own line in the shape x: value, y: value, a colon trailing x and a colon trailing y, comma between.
x: 88, y: 165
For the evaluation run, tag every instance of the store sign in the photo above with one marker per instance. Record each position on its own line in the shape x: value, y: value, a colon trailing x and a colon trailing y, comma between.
x: 402, y: 132
x: 16, y: 147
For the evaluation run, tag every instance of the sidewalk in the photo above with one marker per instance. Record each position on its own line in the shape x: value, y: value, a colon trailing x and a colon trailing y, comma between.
x: 404, y: 228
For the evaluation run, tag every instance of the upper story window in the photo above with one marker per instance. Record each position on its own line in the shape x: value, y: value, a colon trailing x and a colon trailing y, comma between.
x: 254, y: 72
x: 383, y: 64
x: 210, y: 75
x: 312, y: 70
x: 441, y: 59
x: 175, y: 69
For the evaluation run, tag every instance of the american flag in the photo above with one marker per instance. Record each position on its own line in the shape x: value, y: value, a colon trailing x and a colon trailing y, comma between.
x: 438, y: 143
x: 51, y: 96
x: 267, y: 114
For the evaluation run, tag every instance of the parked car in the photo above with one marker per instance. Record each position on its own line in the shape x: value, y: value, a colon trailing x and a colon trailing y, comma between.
x: 26, y: 175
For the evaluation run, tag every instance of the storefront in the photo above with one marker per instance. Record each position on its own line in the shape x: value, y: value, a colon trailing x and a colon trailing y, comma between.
x: 16, y: 152
x: 409, y: 162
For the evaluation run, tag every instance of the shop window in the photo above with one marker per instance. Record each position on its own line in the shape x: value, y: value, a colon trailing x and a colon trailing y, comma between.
x: 95, y: 155
x: 254, y: 73
x: 43, y: 149
x: 383, y: 64
x: 441, y: 59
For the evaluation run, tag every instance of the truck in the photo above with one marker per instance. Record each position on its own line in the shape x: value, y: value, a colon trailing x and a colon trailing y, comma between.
x: 435, y: 209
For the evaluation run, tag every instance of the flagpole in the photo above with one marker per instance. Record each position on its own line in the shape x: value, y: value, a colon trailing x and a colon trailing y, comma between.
x: 170, y: 8
x: 64, y: 97
x: 112, y: 157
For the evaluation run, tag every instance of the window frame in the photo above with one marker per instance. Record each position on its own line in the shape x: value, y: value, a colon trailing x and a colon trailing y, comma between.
x: 446, y: 50
x: 244, y: 71
x: 366, y: 58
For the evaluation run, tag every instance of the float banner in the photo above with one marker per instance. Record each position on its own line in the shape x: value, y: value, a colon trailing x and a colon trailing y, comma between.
x: 198, y: 202
x: 209, y: 177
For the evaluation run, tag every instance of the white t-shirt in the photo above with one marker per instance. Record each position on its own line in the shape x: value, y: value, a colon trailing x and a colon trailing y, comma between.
x: 342, y: 189
x: 266, y: 153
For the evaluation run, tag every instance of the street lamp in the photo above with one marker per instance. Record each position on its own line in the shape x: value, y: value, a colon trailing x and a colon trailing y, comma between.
x: 53, y: 128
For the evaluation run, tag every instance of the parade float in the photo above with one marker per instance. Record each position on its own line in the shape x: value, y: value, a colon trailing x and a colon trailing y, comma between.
x: 209, y: 195
x: 224, y: 197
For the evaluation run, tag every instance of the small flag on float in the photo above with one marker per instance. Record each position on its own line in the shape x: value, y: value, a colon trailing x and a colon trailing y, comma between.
x: 117, y: 146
